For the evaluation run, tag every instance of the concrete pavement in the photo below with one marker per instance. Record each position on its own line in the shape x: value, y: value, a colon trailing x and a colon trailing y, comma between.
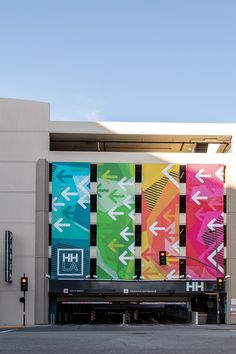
x: 117, y: 339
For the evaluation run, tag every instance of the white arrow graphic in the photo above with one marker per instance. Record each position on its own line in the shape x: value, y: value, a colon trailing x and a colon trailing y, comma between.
x: 83, y: 200
x: 212, y: 226
x: 66, y: 194
x: 153, y: 228
x: 82, y: 185
x: 122, y: 183
x: 131, y: 248
x: 196, y: 197
x: 132, y: 214
x: 123, y: 258
x: 112, y: 213
x: 59, y: 226
x: 128, y: 201
x: 54, y: 204
x: 175, y: 246
x: 170, y: 275
x: 199, y: 175
x: 212, y: 255
x: 220, y: 173
x: 124, y: 233
x: 165, y: 173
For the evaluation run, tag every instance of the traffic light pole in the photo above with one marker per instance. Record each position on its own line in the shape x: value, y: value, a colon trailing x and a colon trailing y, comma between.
x: 24, y: 289
x: 24, y: 310
x: 217, y: 308
x: 24, y: 307
x: 217, y: 272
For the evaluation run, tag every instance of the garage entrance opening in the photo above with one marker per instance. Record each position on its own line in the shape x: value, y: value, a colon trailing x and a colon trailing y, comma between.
x: 116, y: 313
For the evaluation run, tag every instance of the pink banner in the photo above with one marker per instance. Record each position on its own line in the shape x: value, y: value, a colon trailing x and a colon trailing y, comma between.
x: 204, y: 221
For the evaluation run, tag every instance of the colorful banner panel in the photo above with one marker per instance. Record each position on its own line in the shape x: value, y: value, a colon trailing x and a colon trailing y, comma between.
x: 70, y: 220
x: 160, y: 221
x: 205, y: 221
x: 115, y: 220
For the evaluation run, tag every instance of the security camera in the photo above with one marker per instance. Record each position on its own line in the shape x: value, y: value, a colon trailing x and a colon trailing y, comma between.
x: 47, y: 276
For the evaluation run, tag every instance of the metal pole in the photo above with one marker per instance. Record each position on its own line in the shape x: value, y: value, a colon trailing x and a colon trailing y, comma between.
x: 24, y: 310
x: 218, y: 308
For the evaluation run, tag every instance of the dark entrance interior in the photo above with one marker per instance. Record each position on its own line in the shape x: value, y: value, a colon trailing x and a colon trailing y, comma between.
x: 72, y: 310
x: 116, y: 313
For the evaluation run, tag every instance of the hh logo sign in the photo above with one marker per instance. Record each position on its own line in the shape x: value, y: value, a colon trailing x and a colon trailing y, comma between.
x: 195, y: 286
x: 70, y: 262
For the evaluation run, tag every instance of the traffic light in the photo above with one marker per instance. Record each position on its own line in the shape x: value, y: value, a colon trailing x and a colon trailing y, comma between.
x: 24, y: 283
x: 162, y: 257
x: 220, y: 284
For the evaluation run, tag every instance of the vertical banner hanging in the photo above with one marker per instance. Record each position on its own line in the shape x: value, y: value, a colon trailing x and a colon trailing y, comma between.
x: 205, y: 221
x: 160, y: 221
x: 70, y: 220
x: 115, y: 220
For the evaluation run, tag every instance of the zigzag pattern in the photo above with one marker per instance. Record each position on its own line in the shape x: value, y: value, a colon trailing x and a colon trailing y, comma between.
x: 175, y: 175
x: 152, y: 194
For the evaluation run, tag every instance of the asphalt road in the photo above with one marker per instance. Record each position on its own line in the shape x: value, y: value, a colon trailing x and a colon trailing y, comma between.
x: 111, y: 339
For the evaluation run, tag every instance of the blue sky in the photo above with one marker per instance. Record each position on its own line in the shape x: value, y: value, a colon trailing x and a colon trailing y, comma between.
x: 122, y: 60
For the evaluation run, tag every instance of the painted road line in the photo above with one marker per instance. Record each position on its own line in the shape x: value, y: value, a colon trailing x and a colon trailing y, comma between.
x: 8, y: 330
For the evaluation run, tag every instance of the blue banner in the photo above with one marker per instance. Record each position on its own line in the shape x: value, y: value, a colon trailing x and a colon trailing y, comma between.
x: 70, y: 220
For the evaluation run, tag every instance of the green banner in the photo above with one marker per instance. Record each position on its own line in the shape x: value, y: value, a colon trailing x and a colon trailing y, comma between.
x: 115, y: 220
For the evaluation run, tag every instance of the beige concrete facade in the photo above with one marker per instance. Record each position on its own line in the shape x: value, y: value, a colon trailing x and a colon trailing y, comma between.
x: 24, y: 156
x: 23, y: 140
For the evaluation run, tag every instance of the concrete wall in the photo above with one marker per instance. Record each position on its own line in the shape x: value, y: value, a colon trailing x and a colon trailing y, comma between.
x: 23, y: 140
x: 41, y: 242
